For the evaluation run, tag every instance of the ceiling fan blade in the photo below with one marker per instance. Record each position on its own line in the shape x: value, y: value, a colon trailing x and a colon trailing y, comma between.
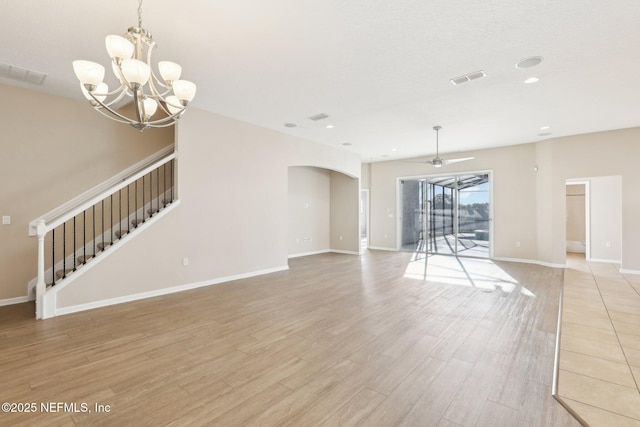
x: 462, y: 159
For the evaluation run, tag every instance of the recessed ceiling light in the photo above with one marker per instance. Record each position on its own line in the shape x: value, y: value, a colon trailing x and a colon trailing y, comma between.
x: 329, y: 126
x: 529, y: 62
x: 545, y: 128
x: 532, y: 80
x: 394, y: 149
x: 290, y: 125
x: 346, y: 144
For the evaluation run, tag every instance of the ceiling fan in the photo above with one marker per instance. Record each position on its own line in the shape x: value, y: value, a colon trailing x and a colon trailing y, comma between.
x: 437, y: 161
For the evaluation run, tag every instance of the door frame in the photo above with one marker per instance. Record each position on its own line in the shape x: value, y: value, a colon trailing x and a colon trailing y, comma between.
x: 587, y: 214
x: 399, y: 195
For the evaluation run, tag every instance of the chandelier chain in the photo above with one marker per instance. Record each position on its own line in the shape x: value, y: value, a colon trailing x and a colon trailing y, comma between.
x: 139, y: 13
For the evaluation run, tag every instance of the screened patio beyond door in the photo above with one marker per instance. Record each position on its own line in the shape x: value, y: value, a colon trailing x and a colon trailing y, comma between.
x: 447, y: 215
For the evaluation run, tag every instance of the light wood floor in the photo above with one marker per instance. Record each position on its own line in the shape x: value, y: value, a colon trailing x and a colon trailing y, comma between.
x: 337, y: 340
x: 600, y: 344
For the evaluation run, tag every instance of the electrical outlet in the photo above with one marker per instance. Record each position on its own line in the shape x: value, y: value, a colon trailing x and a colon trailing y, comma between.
x: 6, y: 220
x: 185, y: 262
x: 517, y: 244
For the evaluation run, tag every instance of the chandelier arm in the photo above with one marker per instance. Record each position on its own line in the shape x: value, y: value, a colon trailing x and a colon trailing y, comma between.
x: 109, y: 114
x: 153, y: 78
x: 172, y: 118
x: 109, y: 109
x: 116, y: 99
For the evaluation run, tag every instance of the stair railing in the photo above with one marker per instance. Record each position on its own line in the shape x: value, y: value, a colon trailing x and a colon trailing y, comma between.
x: 102, y: 215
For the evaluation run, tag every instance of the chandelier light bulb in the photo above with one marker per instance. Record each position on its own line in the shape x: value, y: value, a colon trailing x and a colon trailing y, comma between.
x: 149, y: 107
x: 135, y: 71
x: 100, y: 92
x: 173, y: 104
x: 89, y: 73
x: 170, y: 71
x: 119, y: 48
x: 184, y: 91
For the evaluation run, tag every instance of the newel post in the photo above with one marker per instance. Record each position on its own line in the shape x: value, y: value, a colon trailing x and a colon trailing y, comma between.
x: 41, y: 285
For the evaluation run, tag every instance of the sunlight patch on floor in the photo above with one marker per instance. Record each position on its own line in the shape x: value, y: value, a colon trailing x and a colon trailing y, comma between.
x: 470, y: 272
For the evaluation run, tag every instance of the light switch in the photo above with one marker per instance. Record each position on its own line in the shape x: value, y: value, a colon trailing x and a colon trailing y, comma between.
x: 6, y: 220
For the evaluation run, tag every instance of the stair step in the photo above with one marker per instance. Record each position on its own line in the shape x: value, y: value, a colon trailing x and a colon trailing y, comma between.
x: 62, y: 273
x: 120, y: 233
x: 152, y: 211
x: 84, y: 258
x: 137, y: 222
x: 103, y: 245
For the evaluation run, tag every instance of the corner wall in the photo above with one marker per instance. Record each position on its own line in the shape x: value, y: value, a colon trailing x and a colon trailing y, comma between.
x: 232, y: 220
x: 529, y: 206
x: 52, y: 150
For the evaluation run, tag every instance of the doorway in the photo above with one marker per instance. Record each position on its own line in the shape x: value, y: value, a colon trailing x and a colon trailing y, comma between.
x: 577, y: 220
x: 446, y: 214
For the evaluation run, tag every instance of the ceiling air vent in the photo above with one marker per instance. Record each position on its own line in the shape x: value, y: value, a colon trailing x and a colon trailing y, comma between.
x: 318, y: 117
x: 468, y: 77
x: 22, y: 74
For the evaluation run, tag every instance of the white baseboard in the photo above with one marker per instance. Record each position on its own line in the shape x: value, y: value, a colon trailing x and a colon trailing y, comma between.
x: 380, y: 248
x: 608, y: 261
x: 324, y: 251
x: 625, y: 271
x: 12, y: 301
x: 164, y: 291
x: 339, y: 251
x: 530, y: 261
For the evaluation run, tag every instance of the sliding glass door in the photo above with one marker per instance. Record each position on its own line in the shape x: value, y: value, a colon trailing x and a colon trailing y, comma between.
x: 446, y: 215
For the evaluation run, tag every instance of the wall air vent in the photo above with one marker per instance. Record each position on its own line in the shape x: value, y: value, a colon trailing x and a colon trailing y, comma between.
x: 21, y: 74
x: 318, y: 117
x: 468, y: 77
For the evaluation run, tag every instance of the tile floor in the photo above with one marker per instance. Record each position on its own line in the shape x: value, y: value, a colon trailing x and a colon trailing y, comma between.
x: 599, y: 363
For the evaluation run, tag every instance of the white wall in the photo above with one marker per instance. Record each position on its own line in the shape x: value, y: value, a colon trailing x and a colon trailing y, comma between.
x: 345, y: 213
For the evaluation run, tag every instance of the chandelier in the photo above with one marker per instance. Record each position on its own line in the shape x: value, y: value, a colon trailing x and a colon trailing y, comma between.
x: 131, y: 64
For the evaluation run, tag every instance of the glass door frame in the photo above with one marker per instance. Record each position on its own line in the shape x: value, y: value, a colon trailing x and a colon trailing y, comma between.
x: 399, y: 210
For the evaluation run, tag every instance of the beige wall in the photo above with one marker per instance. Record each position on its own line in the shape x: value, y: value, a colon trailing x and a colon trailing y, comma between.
x: 233, y: 214
x: 345, y: 213
x: 514, y: 197
x: 52, y: 150
x: 530, y: 206
x: 606, y: 218
x: 309, y: 210
x: 592, y: 155
x: 576, y: 218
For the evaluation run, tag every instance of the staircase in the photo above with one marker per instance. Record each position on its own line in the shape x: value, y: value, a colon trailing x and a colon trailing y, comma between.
x: 72, y: 237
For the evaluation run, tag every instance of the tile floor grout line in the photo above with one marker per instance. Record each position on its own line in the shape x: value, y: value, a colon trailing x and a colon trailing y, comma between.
x: 614, y: 327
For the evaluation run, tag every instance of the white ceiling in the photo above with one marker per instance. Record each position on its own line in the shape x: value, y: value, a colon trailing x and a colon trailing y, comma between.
x: 379, y: 69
